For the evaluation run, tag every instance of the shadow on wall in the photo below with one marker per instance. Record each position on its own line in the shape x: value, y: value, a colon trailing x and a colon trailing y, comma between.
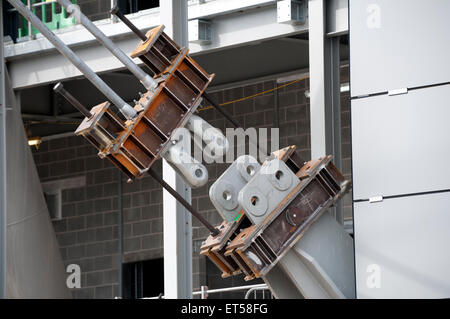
x: 34, y: 264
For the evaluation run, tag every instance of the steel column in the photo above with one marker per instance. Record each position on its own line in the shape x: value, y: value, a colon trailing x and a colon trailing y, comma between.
x: 333, y: 111
x: 177, y: 220
x: 316, y: 11
x: 324, y: 71
x: 2, y: 166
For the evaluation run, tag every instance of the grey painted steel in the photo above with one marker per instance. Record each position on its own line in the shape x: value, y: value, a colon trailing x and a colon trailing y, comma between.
x: 2, y: 166
x: 276, y: 108
x: 404, y: 241
x: 317, y: 71
x: 34, y: 265
x: 174, y: 15
x: 148, y: 82
x: 216, y: 144
x: 320, y: 265
x: 324, y: 85
x: 401, y: 143
x: 384, y: 37
x: 225, y: 190
x: 230, y: 31
x: 333, y: 112
x: 324, y: 68
x: 178, y: 156
x: 266, y: 189
x: 334, y: 265
x: 310, y: 279
x: 126, y: 109
x: 337, y: 17
x: 32, y: 36
x: 281, y: 286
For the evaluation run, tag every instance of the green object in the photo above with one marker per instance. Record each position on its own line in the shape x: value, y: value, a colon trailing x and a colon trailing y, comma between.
x: 58, y: 20
x: 23, y: 25
x: 63, y: 20
x: 237, y: 217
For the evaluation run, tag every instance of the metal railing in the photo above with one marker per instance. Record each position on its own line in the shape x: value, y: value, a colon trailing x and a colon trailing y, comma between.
x: 204, y: 292
x: 57, y: 20
x: 254, y: 290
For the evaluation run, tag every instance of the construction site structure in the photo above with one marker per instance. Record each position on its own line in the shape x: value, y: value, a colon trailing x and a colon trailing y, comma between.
x: 276, y: 226
x: 277, y: 221
x: 279, y: 200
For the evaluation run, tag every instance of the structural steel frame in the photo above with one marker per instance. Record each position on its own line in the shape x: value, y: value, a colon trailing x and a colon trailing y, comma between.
x: 326, y: 25
x: 327, y: 22
x: 2, y: 166
x: 177, y: 221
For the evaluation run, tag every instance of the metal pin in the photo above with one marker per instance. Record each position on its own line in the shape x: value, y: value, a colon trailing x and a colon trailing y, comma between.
x: 115, y: 11
x: 59, y: 88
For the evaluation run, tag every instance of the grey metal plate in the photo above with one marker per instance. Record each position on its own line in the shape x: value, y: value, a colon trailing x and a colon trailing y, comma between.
x: 398, y: 44
x: 401, y: 247
x: 401, y: 143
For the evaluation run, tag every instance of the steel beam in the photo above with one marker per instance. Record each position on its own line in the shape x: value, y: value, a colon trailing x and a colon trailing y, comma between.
x: 337, y: 17
x: 257, y: 22
x: 324, y: 71
x: 211, y: 9
x: 2, y: 166
x: 229, y: 30
x: 322, y: 273
x: 126, y: 109
x: 333, y: 114
x: 177, y: 222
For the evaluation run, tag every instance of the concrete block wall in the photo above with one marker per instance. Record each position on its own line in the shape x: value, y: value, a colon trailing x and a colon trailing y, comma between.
x: 88, y: 233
